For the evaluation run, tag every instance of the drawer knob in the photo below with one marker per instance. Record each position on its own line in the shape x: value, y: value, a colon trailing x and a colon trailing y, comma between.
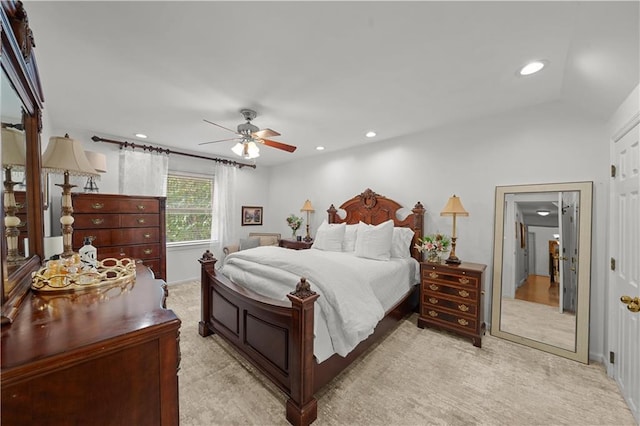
x: 141, y: 220
x: 464, y: 280
x: 148, y: 251
x: 433, y: 287
x: 433, y: 275
x: 140, y: 207
x: 463, y: 308
x: 433, y: 300
x: 463, y: 293
x: 97, y: 221
x: 147, y: 235
x: 463, y: 321
x: 433, y: 314
x: 97, y: 206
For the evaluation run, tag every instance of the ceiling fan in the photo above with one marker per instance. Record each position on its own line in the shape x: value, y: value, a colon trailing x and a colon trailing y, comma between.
x: 248, y: 135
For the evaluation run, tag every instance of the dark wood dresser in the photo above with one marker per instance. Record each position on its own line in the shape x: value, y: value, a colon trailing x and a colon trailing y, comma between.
x: 122, y: 226
x: 451, y: 298
x: 295, y: 244
x: 107, y: 356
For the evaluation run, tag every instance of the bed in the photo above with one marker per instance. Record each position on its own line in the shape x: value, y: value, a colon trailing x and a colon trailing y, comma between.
x: 277, y: 336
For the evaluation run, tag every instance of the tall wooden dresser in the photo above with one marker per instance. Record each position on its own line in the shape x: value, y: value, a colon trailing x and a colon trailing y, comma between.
x: 451, y: 298
x: 122, y: 226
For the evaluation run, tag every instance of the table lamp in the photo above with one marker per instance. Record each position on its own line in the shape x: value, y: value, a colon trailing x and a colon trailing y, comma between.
x: 65, y: 155
x: 99, y: 162
x: 307, y: 207
x: 13, y: 156
x: 453, y: 208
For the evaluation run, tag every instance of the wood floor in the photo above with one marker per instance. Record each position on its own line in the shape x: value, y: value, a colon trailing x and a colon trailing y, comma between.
x: 537, y: 289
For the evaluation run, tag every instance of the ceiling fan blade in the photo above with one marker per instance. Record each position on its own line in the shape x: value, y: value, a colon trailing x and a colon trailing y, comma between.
x: 222, y: 127
x: 221, y: 140
x: 265, y: 133
x: 278, y: 145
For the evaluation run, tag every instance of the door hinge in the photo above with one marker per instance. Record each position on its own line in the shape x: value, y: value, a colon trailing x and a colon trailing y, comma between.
x: 613, y: 171
x: 613, y: 264
x: 612, y: 357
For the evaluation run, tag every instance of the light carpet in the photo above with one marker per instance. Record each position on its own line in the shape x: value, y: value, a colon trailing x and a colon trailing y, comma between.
x: 413, y: 377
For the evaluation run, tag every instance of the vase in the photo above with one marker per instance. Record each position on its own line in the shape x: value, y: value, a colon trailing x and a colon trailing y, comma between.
x: 433, y: 257
x: 294, y: 234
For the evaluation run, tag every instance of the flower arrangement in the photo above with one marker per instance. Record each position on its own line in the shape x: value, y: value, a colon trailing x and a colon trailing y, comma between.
x: 294, y: 222
x: 433, y: 245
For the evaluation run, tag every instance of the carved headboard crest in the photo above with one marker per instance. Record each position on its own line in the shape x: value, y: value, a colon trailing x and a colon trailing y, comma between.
x: 368, y: 198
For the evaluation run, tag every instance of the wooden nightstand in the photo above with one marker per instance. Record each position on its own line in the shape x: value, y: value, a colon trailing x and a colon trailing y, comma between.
x: 451, y: 299
x: 295, y: 244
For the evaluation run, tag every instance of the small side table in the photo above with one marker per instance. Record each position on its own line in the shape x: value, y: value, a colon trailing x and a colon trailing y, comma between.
x: 295, y: 244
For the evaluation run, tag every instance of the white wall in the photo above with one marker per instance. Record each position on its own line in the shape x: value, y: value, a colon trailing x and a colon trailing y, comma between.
x: 542, y: 235
x: 544, y: 144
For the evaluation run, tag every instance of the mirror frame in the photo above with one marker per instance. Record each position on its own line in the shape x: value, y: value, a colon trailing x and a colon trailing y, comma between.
x: 585, y: 190
x: 19, y: 65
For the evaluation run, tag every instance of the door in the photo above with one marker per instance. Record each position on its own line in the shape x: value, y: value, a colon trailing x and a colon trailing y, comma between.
x: 624, y: 328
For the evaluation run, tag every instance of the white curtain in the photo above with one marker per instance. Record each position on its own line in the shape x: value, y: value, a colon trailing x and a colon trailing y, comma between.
x: 143, y: 173
x: 225, y: 218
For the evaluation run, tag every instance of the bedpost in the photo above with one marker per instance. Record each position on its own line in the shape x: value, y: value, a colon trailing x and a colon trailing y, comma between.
x: 418, y: 228
x: 302, y: 407
x: 208, y: 263
x: 333, y: 213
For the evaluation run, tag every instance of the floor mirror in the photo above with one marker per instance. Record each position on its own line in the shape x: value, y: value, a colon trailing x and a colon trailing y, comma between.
x: 542, y: 264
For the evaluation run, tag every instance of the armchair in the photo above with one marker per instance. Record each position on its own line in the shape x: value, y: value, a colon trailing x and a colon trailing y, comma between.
x: 266, y: 239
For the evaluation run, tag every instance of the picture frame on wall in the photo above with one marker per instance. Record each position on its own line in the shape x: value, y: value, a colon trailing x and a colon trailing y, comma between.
x: 251, y: 215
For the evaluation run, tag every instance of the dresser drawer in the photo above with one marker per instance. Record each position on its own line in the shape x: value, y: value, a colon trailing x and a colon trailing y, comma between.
x: 458, y: 277
x: 95, y: 204
x: 135, y: 236
x: 435, y: 300
x: 450, y: 319
x: 139, y: 205
x: 99, y: 237
x: 89, y: 221
x: 142, y: 251
x: 461, y: 292
x: 139, y: 220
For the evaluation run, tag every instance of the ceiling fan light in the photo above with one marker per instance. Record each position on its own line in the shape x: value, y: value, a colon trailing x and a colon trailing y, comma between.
x: 252, y: 150
x: 543, y: 212
x: 238, y: 148
x: 532, y: 67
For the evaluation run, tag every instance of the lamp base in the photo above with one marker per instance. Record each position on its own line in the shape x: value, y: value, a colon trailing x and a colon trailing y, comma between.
x: 453, y: 260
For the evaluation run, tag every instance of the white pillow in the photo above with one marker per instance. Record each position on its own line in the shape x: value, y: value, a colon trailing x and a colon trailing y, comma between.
x: 329, y: 236
x: 374, y: 242
x: 349, y: 242
x: 401, y: 242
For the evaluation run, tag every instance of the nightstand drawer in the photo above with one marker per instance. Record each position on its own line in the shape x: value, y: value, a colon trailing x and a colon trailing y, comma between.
x: 435, y: 300
x: 458, y: 278
x: 462, y: 292
x: 458, y: 321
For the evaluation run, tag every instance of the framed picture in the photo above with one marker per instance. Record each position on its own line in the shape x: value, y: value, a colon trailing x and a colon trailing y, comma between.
x: 523, y: 234
x: 251, y: 215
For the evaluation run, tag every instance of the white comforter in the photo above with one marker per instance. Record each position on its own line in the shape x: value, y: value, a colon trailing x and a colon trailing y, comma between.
x: 348, y: 302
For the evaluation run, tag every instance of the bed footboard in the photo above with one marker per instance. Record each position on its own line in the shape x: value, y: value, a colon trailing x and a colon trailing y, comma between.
x: 275, y: 336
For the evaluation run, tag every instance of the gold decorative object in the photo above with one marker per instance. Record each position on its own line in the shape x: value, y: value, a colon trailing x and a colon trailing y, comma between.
x: 633, y: 303
x: 307, y: 207
x: 463, y: 293
x: 70, y: 274
x: 453, y: 208
x: 463, y: 321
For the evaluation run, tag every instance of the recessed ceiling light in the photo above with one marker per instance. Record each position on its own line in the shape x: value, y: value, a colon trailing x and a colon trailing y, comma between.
x: 532, y: 67
x: 370, y: 134
x: 141, y: 135
x: 543, y: 212
x: 320, y: 148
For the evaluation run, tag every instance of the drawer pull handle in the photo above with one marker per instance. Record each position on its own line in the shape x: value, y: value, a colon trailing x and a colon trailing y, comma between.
x: 148, y: 251
x: 91, y: 237
x: 140, y: 207
x: 463, y: 308
x: 19, y: 206
x: 98, y: 221
x: 147, y: 235
x: 433, y: 314
x: 463, y: 321
x: 463, y: 293
x: 141, y: 220
x: 433, y: 300
x: 433, y: 287
x: 433, y: 275
x: 97, y: 206
x: 464, y: 280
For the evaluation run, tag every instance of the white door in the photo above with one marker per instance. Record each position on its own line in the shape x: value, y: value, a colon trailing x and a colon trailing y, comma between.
x: 624, y: 329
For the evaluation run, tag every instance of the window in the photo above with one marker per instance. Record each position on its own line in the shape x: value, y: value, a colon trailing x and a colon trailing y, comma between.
x: 188, y: 210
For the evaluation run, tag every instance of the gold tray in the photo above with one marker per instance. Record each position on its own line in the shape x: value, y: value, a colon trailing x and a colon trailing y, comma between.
x: 63, y: 277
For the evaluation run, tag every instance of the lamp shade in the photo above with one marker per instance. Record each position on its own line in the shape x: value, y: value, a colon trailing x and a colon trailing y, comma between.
x: 13, y: 147
x: 64, y: 154
x: 97, y: 160
x: 454, y: 208
x: 307, y: 207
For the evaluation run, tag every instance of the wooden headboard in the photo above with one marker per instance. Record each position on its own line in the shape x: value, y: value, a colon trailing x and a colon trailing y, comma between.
x: 374, y: 209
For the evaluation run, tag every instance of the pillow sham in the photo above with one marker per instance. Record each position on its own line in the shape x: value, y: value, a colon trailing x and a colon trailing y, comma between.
x: 329, y: 236
x: 247, y: 243
x: 401, y: 242
x: 349, y: 242
x: 374, y: 242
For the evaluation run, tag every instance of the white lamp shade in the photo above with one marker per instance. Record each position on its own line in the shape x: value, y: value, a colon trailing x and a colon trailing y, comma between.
x: 14, y: 151
x: 98, y: 160
x: 64, y: 154
x: 307, y: 207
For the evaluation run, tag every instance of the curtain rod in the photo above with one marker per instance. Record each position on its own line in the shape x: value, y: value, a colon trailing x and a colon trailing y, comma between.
x: 168, y: 151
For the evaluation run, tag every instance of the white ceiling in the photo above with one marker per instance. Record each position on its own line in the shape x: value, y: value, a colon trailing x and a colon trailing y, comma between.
x: 322, y: 73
